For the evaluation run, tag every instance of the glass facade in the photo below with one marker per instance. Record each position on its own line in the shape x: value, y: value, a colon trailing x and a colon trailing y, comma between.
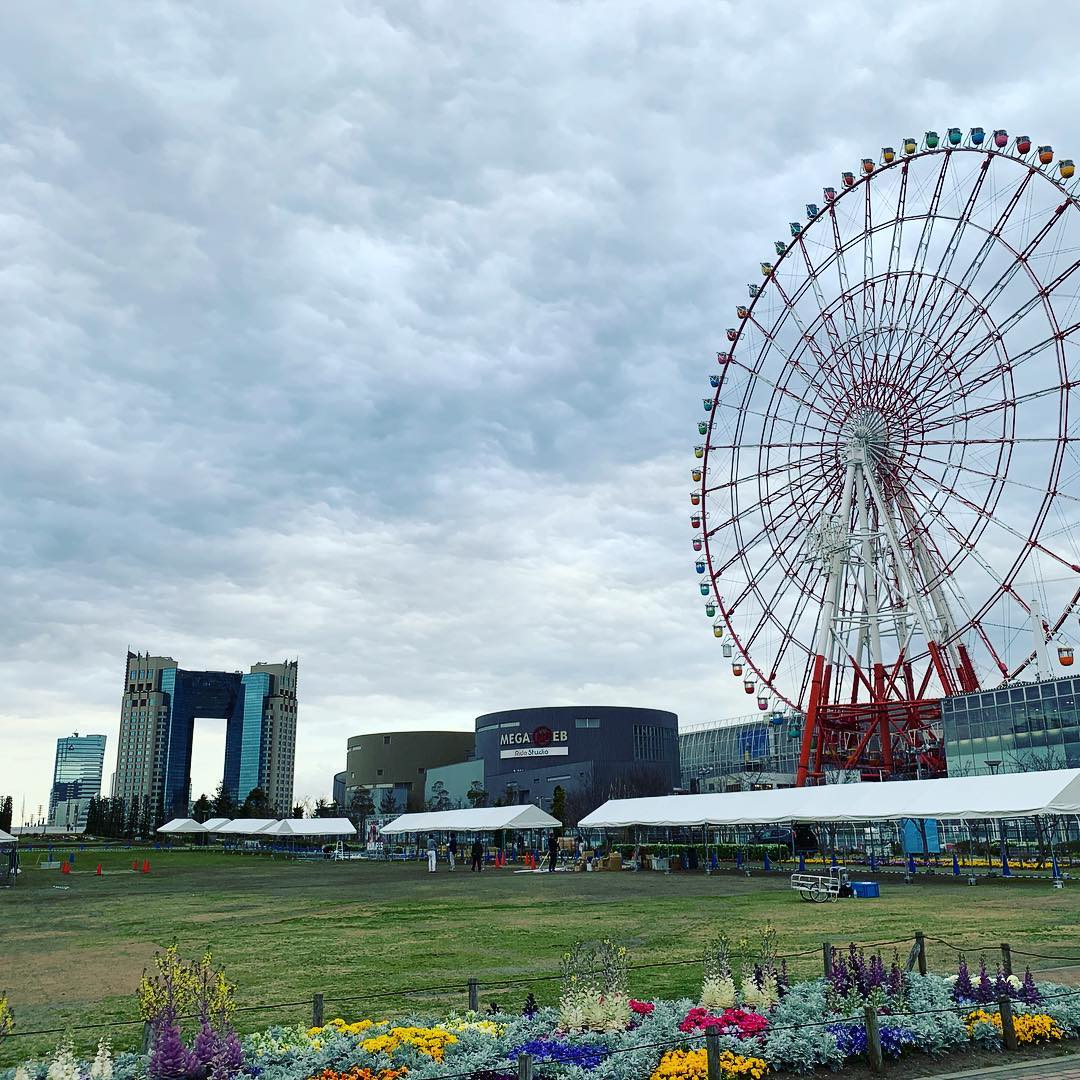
x: 743, y: 752
x: 1019, y: 728
x: 253, y: 732
x: 76, y: 778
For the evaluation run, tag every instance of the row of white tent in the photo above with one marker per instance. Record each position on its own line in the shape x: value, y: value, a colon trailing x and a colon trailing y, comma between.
x: 1053, y: 792
x: 260, y: 827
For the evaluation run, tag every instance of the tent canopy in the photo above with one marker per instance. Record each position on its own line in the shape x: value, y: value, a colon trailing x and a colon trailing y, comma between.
x: 311, y: 827
x: 1008, y: 795
x: 7, y: 838
x: 245, y: 826
x: 484, y: 819
x: 215, y: 823
x: 182, y: 825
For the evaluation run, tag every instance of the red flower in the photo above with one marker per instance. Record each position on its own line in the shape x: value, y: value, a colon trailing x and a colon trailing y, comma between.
x: 642, y: 1008
x: 740, y: 1022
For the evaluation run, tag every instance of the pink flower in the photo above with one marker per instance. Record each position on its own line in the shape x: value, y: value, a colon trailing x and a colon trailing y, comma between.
x: 740, y: 1022
x: 642, y: 1008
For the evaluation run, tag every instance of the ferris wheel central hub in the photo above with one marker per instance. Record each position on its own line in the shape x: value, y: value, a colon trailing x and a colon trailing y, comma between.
x: 869, y: 431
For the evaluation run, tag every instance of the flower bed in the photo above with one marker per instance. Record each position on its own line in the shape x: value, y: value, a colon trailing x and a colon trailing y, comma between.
x: 599, y: 1033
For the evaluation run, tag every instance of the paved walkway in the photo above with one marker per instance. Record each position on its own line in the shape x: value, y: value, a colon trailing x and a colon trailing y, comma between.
x: 1066, y: 1068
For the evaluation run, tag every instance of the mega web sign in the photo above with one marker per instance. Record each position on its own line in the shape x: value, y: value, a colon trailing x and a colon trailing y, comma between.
x: 540, y: 742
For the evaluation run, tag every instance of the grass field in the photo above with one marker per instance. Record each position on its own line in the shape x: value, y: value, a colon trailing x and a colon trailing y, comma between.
x: 285, y: 930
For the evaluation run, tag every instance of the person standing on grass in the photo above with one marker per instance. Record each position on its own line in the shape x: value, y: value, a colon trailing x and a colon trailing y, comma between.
x: 553, y: 852
x: 451, y: 851
x: 432, y: 853
x: 477, y: 855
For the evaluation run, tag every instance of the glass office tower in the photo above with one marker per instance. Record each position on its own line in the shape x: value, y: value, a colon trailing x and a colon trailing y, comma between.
x: 76, y: 778
x: 157, y: 726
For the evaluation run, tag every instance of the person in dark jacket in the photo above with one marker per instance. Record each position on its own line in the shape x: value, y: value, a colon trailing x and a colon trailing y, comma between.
x: 477, y: 855
x: 553, y: 851
x: 451, y: 851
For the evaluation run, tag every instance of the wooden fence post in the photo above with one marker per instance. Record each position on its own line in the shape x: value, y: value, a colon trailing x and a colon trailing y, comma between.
x: 525, y: 1067
x: 147, y: 1036
x: 1008, y: 1029
x: 712, y: 1055
x: 1006, y: 959
x: 316, y: 1010
x: 826, y: 957
x: 873, y: 1040
x: 474, y: 1006
x: 920, y: 941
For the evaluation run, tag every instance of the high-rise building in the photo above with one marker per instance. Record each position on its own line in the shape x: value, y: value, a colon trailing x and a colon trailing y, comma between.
x: 76, y: 778
x: 157, y: 724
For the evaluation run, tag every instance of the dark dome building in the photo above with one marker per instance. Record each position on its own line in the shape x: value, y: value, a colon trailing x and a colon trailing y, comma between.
x: 527, y: 753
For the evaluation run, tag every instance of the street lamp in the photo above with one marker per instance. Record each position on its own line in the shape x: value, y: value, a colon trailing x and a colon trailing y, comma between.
x: 993, y: 766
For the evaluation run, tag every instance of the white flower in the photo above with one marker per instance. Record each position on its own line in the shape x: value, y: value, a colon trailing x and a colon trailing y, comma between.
x: 951, y: 979
x: 63, y: 1065
x: 1015, y: 982
x: 22, y: 1073
x: 102, y: 1066
x: 718, y: 993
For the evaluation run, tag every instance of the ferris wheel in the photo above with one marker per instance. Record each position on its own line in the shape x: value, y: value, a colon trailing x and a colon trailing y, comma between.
x: 885, y: 503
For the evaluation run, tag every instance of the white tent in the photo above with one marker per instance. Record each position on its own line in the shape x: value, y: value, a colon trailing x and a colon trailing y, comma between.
x: 245, y: 826
x: 215, y: 823
x: 1008, y: 795
x: 484, y: 819
x: 310, y: 827
x: 182, y: 825
x: 7, y: 838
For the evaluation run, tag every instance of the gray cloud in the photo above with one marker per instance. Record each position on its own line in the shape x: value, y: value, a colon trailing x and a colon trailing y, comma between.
x: 377, y: 334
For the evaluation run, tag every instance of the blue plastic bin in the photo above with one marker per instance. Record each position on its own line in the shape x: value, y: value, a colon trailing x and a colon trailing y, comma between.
x: 865, y: 890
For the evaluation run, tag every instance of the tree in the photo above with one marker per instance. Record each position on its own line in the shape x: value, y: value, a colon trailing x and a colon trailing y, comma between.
x: 558, y: 805
x: 223, y: 804
x: 202, y: 810
x: 440, y: 797
x: 6, y: 810
x: 361, y: 807
x: 595, y: 788
x: 256, y: 805
x: 388, y: 802
x: 131, y: 828
x: 476, y: 794
x: 298, y: 810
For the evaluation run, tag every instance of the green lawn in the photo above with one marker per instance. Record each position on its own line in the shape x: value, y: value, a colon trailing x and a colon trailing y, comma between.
x: 72, y: 947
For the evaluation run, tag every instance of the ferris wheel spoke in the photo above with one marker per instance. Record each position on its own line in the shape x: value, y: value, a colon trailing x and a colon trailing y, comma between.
x: 773, y: 418
x: 944, y: 267
x: 998, y: 478
x: 787, y: 632
x: 846, y: 306
x: 767, y: 499
x: 783, y: 390
x: 907, y: 303
x: 1021, y: 262
x: 772, y: 470
x: 998, y: 406
x: 993, y: 235
x: 807, y: 338
x: 1027, y: 541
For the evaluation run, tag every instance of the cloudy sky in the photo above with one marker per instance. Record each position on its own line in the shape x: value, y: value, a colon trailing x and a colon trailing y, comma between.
x: 377, y: 334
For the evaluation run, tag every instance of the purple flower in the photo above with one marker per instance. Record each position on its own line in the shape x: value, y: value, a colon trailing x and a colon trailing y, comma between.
x: 1029, y: 992
x: 587, y: 1057
x: 170, y: 1059
x: 984, y: 992
x: 852, y: 1042
x: 962, y: 988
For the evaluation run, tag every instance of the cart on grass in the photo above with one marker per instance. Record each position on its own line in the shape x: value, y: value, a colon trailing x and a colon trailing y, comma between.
x: 818, y: 888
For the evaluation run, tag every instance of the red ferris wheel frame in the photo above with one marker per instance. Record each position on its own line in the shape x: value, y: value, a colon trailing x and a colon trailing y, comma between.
x: 878, y: 362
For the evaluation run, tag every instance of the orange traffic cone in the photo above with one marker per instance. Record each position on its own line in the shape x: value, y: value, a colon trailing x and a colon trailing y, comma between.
x: 98, y: 871
x: 65, y: 867
x: 146, y: 866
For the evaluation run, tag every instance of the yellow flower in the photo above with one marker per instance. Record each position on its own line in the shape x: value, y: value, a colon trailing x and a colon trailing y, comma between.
x: 693, y: 1065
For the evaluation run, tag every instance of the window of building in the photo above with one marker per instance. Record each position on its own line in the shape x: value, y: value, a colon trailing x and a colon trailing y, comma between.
x: 386, y: 740
x: 378, y: 772
x: 587, y: 722
x: 650, y: 742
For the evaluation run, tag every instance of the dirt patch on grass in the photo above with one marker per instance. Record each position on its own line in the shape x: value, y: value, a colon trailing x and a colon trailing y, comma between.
x: 61, y: 975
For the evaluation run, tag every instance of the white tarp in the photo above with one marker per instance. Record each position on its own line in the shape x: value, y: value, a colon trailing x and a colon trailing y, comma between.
x: 1007, y: 795
x: 311, y: 827
x: 483, y: 819
x: 245, y: 826
x: 215, y: 823
x: 7, y: 838
x: 182, y: 825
